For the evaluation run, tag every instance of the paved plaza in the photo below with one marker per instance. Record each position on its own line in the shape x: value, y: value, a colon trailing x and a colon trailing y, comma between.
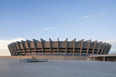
x: 57, y: 68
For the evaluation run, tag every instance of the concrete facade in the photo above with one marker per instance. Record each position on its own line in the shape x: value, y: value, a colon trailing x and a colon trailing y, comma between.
x: 110, y: 57
x: 58, y: 48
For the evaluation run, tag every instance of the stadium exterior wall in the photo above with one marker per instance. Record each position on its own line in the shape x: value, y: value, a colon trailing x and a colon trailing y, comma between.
x: 58, y: 48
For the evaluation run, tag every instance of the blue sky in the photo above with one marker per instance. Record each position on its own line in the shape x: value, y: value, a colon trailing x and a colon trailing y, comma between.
x: 81, y: 19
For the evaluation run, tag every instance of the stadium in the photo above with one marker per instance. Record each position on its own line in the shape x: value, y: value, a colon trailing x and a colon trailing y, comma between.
x: 58, y: 48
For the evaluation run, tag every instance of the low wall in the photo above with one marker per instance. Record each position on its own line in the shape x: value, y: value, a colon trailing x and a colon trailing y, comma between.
x: 47, y: 57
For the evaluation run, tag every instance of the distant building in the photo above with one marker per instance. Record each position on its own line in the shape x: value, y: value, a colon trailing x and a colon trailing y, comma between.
x: 58, y: 48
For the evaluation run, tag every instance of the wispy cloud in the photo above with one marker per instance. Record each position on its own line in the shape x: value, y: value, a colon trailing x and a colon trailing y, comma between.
x: 4, y: 43
x: 48, y: 28
x: 87, y: 16
x: 113, y: 48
